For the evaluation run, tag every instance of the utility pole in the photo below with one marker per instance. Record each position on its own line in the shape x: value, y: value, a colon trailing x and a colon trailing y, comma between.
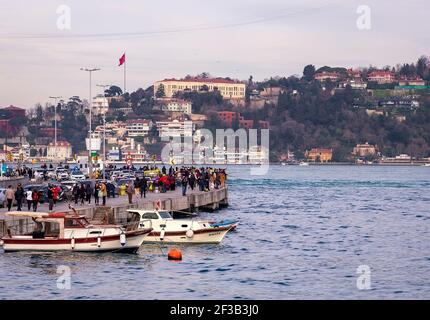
x: 90, y: 71
x: 55, y: 121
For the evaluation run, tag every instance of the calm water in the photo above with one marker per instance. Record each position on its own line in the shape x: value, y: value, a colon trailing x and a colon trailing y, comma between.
x: 303, y: 232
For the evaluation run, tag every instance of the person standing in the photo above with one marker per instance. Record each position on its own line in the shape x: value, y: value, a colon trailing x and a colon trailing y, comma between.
x: 96, y: 194
x: 75, y: 193
x: 35, y: 198
x: 29, y: 198
x: 88, y: 193
x: 143, y: 187
x: 50, y: 198
x: 184, y: 183
x: 19, y: 196
x: 82, y: 194
x: 103, y: 191
x: 9, y: 197
x: 130, y: 191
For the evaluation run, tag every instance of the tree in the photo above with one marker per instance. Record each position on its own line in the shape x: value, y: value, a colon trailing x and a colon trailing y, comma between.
x: 113, y: 91
x: 309, y: 72
x: 160, y: 91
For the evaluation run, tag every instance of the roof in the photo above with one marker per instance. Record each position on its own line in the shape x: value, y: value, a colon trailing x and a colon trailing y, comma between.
x: 60, y: 144
x: 205, y: 80
x: 379, y: 73
x: 13, y: 108
x: 133, y: 121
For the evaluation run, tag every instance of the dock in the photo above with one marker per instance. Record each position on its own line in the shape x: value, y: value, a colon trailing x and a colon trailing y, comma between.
x: 116, y: 208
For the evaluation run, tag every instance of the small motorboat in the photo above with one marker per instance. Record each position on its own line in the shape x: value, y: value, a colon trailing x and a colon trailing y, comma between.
x: 303, y: 164
x: 169, y: 230
x: 73, y: 232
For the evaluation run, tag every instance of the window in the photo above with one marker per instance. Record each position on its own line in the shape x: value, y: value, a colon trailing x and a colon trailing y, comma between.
x: 165, y: 215
x: 150, y: 215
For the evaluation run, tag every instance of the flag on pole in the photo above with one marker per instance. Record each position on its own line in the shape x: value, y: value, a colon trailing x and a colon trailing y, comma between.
x: 121, y: 60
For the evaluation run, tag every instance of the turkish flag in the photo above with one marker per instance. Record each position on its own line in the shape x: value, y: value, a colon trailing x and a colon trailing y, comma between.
x: 121, y: 60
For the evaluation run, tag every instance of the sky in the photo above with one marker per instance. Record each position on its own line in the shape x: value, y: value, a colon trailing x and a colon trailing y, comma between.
x: 165, y: 39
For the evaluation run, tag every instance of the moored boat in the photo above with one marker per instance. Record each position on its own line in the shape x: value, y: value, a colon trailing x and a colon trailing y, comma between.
x: 169, y: 230
x: 67, y: 232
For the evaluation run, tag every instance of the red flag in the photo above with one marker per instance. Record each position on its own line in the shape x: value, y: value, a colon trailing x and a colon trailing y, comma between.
x: 121, y: 60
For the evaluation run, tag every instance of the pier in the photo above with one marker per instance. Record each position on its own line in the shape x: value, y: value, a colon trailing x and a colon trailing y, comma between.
x: 116, y: 208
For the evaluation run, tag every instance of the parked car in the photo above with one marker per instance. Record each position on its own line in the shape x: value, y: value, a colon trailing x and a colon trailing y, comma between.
x: 62, y: 174
x: 77, y: 176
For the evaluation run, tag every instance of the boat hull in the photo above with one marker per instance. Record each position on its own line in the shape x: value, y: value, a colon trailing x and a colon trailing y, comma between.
x: 204, y: 236
x: 106, y: 244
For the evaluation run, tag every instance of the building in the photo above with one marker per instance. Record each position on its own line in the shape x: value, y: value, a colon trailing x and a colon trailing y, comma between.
x: 364, y: 150
x: 100, y: 105
x: 356, y: 84
x: 228, y: 117
x: 381, y: 77
x: 63, y: 151
x: 12, y: 112
x: 319, y: 155
x: 175, y: 128
x: 412, y: 82
x: 175, y: 105
x: 229, y: 89
x: 325, y: 75
x: 138, y: 127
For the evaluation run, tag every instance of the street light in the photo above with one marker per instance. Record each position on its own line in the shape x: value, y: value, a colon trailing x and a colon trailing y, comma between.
x: 104, y: 132
x: 90, y: 71
x: 55, y: 121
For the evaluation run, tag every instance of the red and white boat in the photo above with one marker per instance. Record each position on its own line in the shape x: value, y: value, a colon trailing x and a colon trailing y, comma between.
x: 169, y: 230
x: 72, y: 232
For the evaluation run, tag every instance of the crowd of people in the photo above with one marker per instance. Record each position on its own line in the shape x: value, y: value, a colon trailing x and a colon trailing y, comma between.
x: 164, y: 180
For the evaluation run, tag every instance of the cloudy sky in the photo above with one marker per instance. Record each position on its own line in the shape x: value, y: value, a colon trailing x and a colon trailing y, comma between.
x: 235, y: 38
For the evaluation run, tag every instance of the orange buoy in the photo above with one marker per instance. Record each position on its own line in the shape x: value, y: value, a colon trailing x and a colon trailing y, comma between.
x: 174, y: 254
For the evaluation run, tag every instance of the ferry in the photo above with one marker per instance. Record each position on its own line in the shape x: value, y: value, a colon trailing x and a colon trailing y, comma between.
x: 169, y: 230
x: 72, y: 232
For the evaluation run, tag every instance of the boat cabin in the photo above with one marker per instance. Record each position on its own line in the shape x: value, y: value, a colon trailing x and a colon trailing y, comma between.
x: 51, y: 225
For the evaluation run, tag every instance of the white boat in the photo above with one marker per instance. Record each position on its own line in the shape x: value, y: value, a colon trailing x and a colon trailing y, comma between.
x: 303, y: 164
x: 169, y: 230
x: 72, y: 232
x: 427, y: 165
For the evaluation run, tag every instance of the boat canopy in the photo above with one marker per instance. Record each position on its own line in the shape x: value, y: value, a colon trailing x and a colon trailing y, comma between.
x: 29, y: 214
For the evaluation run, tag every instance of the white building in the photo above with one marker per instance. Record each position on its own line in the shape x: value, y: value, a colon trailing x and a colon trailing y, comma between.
x: 176, y: 105
x: 63, y: 151
x: 100, y: 105
x: 175, y: 128
x: 138, y: 128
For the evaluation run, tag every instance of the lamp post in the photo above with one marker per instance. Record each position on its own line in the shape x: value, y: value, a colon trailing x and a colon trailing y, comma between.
x: 90, y: 71
x: 55, y: 122
x: 104, y: 132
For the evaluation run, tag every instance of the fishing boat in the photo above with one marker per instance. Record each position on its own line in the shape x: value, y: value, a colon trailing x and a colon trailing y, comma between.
x: 169, y: 230
x: 73, y: 232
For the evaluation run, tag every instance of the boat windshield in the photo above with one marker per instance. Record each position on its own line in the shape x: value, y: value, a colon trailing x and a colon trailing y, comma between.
x: 165, y: 215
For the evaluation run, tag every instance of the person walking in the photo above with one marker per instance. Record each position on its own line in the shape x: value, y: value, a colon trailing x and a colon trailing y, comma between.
x: 130, y: 192
x: 19, y: 196
x: 143, y: 187
x: 29, y: 198
x: 50, y: 198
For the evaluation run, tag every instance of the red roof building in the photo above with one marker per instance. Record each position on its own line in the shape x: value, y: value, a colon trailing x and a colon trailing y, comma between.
x: 381, y: 77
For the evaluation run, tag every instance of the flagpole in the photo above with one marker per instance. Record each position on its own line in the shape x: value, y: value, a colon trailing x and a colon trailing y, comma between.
x: 125, y: 74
